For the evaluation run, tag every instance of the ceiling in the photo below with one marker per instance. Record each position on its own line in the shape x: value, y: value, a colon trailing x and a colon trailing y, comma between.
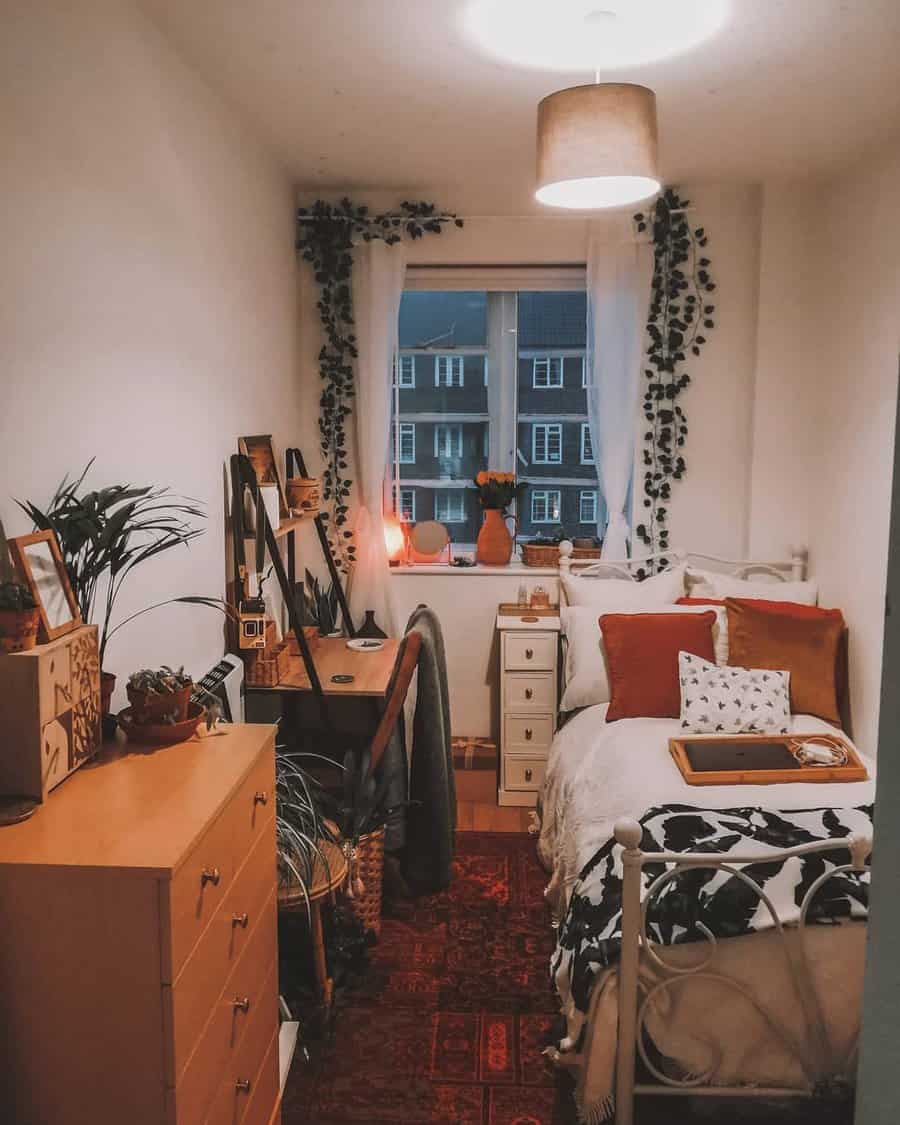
x: 391, y: 96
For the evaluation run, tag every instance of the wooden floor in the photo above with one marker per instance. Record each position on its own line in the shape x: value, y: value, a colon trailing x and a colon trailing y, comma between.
x: 476, y: 805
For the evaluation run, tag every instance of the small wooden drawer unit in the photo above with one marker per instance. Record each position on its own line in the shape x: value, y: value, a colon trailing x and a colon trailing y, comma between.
x: 143, y: 962
x: 528, y: 702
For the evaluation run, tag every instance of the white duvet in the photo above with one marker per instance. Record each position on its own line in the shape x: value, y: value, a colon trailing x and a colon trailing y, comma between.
x: 598, y: 772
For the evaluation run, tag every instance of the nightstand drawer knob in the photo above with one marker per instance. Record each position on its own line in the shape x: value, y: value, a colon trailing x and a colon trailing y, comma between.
x: 528, y: 774
x: 240, y: 920
x: 210, y: 875
x: 529, y: 693
x: 529, y: 653
x: 528, y: 734
x: 261, y: 798
x: 242, y: 1085
x: 241, y: 1003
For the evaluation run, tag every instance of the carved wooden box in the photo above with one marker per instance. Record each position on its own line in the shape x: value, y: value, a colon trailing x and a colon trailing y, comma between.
x: 49, y: 712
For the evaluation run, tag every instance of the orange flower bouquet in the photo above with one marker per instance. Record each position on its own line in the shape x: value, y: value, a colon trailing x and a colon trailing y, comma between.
x: 497, y: 490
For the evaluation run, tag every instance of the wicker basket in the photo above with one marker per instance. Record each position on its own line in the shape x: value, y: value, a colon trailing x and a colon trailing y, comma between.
x: 540, y: 555
x: 267, y: 667
x: 366, y: 864
x: 587, y: 552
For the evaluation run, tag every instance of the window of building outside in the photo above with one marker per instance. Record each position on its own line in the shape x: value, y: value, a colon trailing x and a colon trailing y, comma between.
x: 508, y: 393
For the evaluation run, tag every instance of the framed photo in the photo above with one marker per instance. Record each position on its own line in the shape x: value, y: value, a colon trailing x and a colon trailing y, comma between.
x: 40, y: 562
x: 258, y: 447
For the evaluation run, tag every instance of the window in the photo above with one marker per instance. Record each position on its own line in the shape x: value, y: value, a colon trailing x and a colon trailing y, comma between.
x: 545, y: 506
x: 496, y: 356
x: 587, y: 507
x: 546, y: 444
x: 406, y: 371
x: 407, y: 443
x: 587, y: 450
x: 406, y: 508
x: 450, y: 507
x: 547, y: 372
x: 448, y: 370
x: 448, y: 441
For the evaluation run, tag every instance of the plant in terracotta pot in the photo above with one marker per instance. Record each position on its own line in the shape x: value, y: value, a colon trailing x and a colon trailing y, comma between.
x: 159, y: 695
x: 496, y: 491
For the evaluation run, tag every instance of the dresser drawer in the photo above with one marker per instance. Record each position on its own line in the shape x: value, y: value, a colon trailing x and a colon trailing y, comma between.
x: 523, y: 734
x: 250, y: 1078
x: 524, y: 773
x: 529, y: 692
x: 199, y: 886
x: 220, y: 1051
x: 198, y: 984
x: 524, y: 651
x: 55, y: 682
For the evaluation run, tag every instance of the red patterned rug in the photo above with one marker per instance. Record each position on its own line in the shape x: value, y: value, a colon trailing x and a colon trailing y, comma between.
x: 450, y: 1021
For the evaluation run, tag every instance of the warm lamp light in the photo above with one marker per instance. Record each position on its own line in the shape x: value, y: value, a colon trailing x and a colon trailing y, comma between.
x: 394, y: 540
x: 597, y: 146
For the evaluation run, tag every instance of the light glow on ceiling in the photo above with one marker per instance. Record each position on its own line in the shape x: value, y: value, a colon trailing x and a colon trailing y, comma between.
x: 597, y: 192
x: 590, y: 35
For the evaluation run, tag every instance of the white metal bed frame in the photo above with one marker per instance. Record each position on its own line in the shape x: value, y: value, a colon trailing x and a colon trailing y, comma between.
x: 632, y: 1010
x: 635, y: 942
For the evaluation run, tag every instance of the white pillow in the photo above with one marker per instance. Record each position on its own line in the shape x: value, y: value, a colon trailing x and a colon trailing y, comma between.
x: 586, y: 674
x: 708, y: 584
x: 732, y: 700
x: 616, y: 595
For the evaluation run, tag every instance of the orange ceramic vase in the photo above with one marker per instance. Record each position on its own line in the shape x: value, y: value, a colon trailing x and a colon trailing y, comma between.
x: 494, y: 545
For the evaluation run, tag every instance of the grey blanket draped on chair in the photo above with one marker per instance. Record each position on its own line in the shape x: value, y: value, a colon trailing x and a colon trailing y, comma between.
x: 431, y: 816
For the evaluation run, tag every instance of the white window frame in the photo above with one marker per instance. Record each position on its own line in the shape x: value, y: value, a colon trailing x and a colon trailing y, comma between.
x: 406, y: 380
x: 544, y: 494
x: 584, y: 372
x: 446, y: 496
x: 585, y: 442
x: 542, y: 372
x: 547, y: 428
x: 589, y: 495
x: 409, y: 429
x: 411, y: 493
x: 454, y: 372
x: 451, y: 430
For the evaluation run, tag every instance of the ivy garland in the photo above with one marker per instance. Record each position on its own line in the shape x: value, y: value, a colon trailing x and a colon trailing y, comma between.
x: 679, y: 312
x: 325, y: 237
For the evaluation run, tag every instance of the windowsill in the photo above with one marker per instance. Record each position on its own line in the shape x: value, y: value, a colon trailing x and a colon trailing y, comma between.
x: 516, y: 567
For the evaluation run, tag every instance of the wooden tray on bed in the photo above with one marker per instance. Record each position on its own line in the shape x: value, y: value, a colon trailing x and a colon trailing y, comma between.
x: 853, y: 770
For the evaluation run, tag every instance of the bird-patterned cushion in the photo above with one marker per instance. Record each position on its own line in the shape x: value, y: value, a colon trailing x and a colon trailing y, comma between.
x: 730, y: 700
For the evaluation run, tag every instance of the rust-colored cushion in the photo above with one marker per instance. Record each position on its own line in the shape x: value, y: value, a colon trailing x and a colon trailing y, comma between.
x: 806, y: 641
x: 642, y: 658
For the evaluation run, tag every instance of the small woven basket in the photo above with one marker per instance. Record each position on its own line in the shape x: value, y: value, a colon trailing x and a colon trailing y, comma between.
x: 267, y: 667
x: 540, y: 554
x: 366, y: 862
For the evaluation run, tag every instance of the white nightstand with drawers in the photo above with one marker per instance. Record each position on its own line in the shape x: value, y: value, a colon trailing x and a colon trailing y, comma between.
x: 529, y: 649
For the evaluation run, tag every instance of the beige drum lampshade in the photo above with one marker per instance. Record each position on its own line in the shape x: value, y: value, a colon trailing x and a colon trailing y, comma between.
x: 597, y: 146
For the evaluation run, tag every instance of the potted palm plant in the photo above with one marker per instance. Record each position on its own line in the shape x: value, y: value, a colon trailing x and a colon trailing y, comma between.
x: 304, y: 833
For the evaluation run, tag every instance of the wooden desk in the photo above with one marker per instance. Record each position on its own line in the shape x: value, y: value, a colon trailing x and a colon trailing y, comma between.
x: 371, y: 670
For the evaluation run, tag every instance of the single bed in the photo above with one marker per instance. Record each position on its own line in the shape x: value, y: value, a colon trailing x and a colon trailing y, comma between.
x: 792, y: 990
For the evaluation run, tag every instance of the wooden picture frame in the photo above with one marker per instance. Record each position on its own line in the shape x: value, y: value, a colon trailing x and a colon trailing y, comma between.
x: 258, y: 449
x: 40, y: 563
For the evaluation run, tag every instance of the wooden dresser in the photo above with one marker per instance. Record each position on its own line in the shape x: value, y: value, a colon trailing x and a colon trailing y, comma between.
x: 529, y: 648
x: 138, y: 941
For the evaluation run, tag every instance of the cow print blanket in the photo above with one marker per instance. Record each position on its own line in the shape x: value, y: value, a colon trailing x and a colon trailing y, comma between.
x: 590, y: 936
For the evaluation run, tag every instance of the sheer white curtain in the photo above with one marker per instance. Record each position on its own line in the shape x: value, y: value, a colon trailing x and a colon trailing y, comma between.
x: 619, y: 273
x: 378, y: 273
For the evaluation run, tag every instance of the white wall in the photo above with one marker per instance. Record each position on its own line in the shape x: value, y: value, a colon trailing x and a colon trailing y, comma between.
x: 148, y: 312
x: 710, y: 507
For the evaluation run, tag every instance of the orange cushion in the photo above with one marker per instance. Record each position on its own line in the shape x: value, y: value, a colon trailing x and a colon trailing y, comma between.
x: 642, y: 656
x: 806, y: 641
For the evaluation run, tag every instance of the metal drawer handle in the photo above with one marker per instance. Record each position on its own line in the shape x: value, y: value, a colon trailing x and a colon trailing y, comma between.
x: 529, y: 653
x: 241, y: 1003
x: 240, y: 920
x: 208, y: 876
x: 528, y: 734
x: 528, y: 775
x: 261, y: 798
x: 529, y: 693
x: 242, y: 1085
